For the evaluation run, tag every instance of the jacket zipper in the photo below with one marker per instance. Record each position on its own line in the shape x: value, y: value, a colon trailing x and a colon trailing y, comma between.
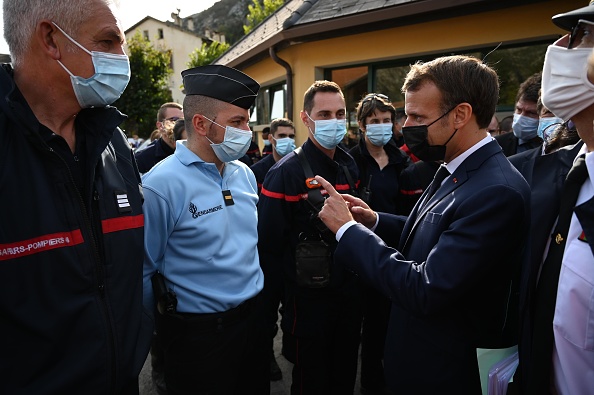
x: 99, y: 272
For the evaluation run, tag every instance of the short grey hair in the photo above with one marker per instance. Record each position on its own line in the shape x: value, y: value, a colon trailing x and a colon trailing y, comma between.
x: 21, y: 18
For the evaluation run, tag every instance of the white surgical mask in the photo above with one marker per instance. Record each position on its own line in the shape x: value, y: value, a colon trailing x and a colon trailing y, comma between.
x: 379, y: 133
x: 329, y: 132
x: 547, y: 125
x: 566, y: 90
x: 284, y: 145
x: 524, y: 127
x: 112, y: 74
x: 235, y: 143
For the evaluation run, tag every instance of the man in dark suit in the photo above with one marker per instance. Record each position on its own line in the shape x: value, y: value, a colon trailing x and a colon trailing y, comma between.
x: 556, y: 349
x: 545, y: 174
x: 449, y: 278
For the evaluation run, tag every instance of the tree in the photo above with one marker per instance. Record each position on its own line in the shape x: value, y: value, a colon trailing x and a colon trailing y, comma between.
x: 207, y: 53
x: 148, y: 87
x: 258, y: 12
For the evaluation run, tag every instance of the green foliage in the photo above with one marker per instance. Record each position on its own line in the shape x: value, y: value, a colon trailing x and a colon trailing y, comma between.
x: 207, y: 53
x: 148, y: 87
x: 258, y: 12
x: 513, y: 66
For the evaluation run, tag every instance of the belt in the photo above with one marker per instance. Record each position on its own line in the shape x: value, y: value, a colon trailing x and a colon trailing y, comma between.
x: 214, y: 320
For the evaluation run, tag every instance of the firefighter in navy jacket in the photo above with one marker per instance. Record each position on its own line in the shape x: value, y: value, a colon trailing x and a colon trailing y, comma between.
x: 321, y: 325
x: 71, y: 232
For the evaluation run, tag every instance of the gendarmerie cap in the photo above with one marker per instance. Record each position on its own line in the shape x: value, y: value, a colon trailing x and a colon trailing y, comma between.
x: 569, y: 19
x: 222, y: 83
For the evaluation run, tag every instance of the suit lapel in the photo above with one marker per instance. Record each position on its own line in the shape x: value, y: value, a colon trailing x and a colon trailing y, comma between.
x: 452, y: 182
x: 457, y: 179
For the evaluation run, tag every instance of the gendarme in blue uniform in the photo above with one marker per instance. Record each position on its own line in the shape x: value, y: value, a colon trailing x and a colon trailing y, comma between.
x: 205, y: 249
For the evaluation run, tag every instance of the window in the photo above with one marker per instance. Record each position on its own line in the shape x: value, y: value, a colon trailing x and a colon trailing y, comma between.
x: 354, y: 82
x: 146, y: 35
x: 513, y: 64
x: 270, y: 104
x: 161, y: 34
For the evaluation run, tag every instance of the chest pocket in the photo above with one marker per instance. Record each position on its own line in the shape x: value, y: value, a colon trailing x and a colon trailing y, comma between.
x: 432, y: 218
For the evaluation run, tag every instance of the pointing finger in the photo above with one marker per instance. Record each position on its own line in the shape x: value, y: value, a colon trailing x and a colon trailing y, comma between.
x: 327, y: 186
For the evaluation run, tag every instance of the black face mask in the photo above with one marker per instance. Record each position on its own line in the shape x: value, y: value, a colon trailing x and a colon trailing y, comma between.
x: 415, y: 138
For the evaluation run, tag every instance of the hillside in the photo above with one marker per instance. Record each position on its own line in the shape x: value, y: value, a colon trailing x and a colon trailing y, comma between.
x: 225, y: 16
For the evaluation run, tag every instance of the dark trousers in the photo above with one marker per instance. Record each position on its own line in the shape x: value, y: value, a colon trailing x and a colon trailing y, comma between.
x: 220, y: 353
x: 158, y: 365
x: 325, y: 362
x: 376, y: 314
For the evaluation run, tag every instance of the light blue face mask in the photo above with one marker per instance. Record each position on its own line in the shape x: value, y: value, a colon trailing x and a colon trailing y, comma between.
x: 547, y: 125
x: 267, y: 142
x: 329, y: 132
x: 284, y: 145
x: 379, y: 133
x: 112, y: 74
x: 235, y: 143
x: 524, y: 127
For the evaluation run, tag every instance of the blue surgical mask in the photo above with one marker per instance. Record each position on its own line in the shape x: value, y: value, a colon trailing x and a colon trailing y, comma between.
x: 524, y: 127
x: 266, y: 142
x: 329, y: 132
x: 284, y: 145
x: 112, y: 74
x: 379, y: 133
x: 546, y: 126
x: 235, y: 143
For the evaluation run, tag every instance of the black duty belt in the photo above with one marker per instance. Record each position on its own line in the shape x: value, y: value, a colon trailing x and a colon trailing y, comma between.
x: 214, y: 320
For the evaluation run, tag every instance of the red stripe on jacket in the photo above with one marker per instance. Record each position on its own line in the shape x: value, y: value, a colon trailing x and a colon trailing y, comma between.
x: 122, y: 223
x: 40, y: 244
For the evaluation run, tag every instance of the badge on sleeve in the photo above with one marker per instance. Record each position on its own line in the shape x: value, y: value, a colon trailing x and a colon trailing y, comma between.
x: 121, y: 198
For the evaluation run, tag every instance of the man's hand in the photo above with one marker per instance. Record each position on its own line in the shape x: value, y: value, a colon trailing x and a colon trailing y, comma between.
x: 360, y: 211
x: 339, y: 209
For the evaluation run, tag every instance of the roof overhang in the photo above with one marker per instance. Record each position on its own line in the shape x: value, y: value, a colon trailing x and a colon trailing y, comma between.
x: 413, y: 12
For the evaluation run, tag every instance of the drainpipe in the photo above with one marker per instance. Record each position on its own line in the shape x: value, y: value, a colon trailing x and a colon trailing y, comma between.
x: 287, y: 66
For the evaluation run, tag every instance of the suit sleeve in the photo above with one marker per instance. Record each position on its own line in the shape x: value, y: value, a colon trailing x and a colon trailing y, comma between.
x: 389, y: 228
x: 473, y: 246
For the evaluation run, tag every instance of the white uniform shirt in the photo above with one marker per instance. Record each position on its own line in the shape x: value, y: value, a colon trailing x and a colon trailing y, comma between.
x: 573, y: 323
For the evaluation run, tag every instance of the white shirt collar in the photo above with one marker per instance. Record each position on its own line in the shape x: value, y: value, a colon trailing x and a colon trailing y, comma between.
x: 457, y: 161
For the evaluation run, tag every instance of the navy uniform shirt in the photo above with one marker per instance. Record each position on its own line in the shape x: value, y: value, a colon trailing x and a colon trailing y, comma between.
x: 155, y: 152
x: 261, y: 168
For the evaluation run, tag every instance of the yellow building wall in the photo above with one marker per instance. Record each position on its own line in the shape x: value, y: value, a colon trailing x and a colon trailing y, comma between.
x: 308, y: 60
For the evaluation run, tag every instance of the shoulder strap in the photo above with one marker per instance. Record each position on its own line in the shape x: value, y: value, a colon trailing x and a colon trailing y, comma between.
x: 315, y: 200
x: 349, y: 178
x: 314, y: 196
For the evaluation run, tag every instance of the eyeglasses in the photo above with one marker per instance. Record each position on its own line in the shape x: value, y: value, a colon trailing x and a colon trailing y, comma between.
x: 374, y: 96
x: 579, y: 31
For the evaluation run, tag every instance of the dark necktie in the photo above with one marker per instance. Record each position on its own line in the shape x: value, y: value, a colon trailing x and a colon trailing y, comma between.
x: 441, y: 175
x: 545, y: 297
